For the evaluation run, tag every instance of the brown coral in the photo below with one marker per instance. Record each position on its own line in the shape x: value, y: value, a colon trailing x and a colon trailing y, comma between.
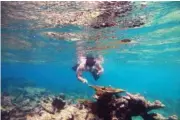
x: 101, y: 90
x: 109, y: 105
x: 123, y: 107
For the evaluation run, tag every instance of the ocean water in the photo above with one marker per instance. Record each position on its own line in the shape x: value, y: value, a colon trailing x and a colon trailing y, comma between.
x: 149, y: 66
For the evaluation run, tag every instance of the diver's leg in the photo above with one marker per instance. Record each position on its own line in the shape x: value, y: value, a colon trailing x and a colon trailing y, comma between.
x: 95, y: 75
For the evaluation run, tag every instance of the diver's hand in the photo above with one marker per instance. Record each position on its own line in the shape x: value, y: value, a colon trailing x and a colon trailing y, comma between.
x: 99, y: 72
x: 84, y: 81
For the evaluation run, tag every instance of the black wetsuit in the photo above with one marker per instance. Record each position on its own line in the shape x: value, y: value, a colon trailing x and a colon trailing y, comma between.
x: 90, y: 62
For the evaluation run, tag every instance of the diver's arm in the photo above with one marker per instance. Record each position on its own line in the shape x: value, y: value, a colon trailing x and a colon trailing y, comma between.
x: 79, y: 74
x: 100, y: 68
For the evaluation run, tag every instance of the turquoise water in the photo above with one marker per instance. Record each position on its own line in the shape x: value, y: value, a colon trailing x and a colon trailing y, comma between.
x: 150, y: 66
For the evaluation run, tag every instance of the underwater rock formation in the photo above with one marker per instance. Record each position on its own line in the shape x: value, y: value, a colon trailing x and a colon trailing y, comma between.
x: 156, y: 116
x: 6, y: 107
x: 109, y: 12
x: 25, y: 101
x: 95, y: 14
x: 109, y: 104
x: 102, y: 91
x: 53, y: 105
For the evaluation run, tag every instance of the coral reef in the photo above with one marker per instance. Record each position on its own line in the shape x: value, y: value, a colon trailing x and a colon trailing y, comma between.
x: 156, y: 116
x: 98, y: 14
x: 109, y: 104
x: 53, y: 105
x: 104, y: 91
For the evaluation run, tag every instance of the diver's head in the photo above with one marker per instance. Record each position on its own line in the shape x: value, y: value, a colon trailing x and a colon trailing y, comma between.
x: 89, y: 56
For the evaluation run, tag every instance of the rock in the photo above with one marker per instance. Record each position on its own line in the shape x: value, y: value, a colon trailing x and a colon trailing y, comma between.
x: 53, y: 106
x: 58, y: 104
x: 157, y: 116
x: 108, y: 105
x: 173, y: 117
x: 123, y: 107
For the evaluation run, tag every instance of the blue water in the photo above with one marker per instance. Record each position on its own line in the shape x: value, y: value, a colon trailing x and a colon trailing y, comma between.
x: 157, y: 81
x: 150, y: 67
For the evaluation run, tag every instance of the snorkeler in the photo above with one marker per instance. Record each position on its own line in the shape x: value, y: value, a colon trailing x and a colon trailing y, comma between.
x: 91, y: 64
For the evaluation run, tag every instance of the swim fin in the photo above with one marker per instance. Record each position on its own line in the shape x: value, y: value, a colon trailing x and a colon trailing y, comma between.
x: 75, y: 67
x: 94, y: 74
